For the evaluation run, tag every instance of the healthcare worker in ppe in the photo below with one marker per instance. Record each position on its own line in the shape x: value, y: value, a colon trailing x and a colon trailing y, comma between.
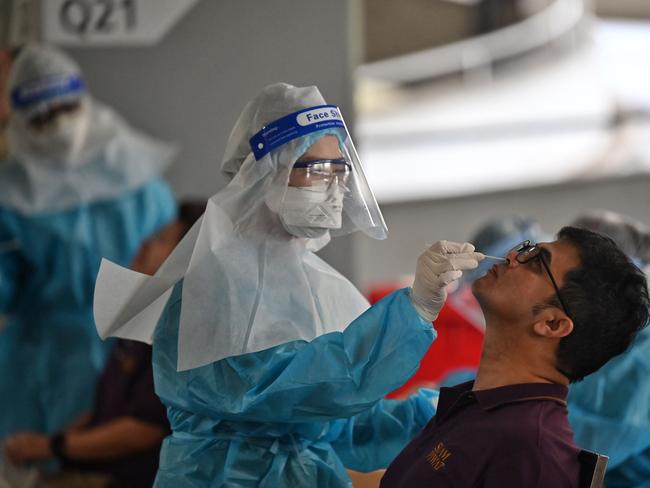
x: 78, y: 184
x: 258, y: 345
x: 609, y: 410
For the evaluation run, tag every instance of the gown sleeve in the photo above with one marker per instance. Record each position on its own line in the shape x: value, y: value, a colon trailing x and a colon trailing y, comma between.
x: 336, y: 375
x: 372, y: 439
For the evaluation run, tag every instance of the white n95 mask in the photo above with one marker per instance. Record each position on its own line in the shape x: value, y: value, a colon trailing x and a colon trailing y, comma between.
x: 63, y: 141
x: 311, y: 211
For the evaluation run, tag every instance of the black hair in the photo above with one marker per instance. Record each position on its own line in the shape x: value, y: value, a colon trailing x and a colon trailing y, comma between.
x: 607, y: 298
x: 189, y: 212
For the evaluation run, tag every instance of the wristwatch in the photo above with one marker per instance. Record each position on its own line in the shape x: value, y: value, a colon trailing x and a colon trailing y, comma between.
x: 57, y: 446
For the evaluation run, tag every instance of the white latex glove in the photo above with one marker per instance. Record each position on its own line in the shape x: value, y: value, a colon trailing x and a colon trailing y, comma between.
x: 438, y: 266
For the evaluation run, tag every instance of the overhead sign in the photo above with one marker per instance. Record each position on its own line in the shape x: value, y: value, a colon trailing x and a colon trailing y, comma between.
x: 110, y: 22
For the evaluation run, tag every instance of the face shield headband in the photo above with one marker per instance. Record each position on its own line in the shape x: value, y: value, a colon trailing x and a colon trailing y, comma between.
x: 30, y: 96
x: 359, y: 207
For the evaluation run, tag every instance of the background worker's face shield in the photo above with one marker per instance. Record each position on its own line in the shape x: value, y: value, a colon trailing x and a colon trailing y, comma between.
x: 320, y: 184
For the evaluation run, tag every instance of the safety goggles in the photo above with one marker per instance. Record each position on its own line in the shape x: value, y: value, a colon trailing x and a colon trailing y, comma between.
x: 310, y: 173
x: 527, y: 252
x: 43, y: 119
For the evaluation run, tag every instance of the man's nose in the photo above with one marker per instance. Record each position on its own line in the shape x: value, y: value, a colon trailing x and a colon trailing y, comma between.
x: 511, y: 258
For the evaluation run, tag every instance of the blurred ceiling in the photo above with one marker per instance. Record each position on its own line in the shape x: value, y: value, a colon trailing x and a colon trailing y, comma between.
x: 397, y: 28
x: 623, y: 8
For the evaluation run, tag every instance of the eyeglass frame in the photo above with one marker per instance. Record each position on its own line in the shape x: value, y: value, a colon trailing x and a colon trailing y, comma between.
x: 526, y: 247
x: 309, y: 165
x: 313, y: 162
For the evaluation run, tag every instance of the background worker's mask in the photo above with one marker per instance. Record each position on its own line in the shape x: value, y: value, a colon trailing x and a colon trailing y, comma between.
x: 62, y: 141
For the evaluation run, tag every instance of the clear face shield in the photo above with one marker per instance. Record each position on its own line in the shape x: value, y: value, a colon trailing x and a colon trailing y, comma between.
x: 320, y: 185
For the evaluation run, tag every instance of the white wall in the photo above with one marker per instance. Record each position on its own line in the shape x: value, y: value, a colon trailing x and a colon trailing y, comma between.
x: 412, y: 225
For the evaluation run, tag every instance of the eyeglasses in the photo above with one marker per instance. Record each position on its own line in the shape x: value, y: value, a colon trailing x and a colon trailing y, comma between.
x: 527, y: 252
x: 307, y: 173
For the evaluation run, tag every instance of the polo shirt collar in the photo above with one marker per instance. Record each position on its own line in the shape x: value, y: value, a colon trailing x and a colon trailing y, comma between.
x: 495, y: 397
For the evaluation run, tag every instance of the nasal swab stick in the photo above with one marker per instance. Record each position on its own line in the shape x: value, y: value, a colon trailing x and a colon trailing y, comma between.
x: 495, y: 258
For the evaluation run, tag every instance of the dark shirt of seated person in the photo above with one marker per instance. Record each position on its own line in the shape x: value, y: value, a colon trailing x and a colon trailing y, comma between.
x: 119, y: 441
x: 555, y: 312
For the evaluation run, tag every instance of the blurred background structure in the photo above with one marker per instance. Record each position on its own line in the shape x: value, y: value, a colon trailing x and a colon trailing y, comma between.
x: 464, y: 110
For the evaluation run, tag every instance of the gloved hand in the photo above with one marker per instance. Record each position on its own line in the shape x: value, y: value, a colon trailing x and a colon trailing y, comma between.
x: 438, y: 266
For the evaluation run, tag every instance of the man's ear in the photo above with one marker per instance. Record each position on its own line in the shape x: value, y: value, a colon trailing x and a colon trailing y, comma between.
x: 552, y: 323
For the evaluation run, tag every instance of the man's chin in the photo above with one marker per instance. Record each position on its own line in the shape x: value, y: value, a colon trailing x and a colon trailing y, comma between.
x: 479, y: 283
x: 479, y: 290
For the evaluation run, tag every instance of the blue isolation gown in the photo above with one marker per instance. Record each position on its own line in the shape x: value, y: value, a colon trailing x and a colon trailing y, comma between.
x: 609, y: 412
x: 50, y: 353
x: 634, y: 472
x: 372, y: 439
x: 277, y: 418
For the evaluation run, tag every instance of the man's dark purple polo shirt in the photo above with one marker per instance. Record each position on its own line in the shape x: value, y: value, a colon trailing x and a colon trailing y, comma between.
x: 508, y: 437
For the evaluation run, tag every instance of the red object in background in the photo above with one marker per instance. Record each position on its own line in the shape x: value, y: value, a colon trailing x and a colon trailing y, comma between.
x: 379, y: 291
x: 458, y: 346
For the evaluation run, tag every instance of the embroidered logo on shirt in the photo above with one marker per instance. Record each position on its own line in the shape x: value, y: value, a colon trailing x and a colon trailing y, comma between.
x: 437, y: 457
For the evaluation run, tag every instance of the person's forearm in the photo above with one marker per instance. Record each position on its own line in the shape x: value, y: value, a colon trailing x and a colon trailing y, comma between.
x: 121, y: 437
x: 373, y: 356
x: 80, y: 422
x: 336, y: 375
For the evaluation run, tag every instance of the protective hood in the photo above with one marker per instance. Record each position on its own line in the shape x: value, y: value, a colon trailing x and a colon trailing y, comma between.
x: 248, y: 284
x: 109, y: 159
x: 43, y: 76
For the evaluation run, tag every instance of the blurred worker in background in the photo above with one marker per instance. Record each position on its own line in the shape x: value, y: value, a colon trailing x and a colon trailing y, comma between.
x: 609, y: 410
x: 78, y: 184
x: 118, y: 442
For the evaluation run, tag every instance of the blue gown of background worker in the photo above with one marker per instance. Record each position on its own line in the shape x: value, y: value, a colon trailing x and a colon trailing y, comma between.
x: 609, y: 410
x: 78, y: 184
